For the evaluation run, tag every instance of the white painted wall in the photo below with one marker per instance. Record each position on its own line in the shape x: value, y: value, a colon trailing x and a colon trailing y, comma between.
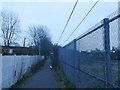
x: 14, y: 67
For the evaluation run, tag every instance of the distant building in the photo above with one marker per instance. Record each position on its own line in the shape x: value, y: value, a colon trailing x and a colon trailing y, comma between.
x: 11, y: 50
x: 15, y: 44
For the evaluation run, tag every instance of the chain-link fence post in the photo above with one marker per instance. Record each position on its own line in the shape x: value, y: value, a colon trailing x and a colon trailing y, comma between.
x: 108, y: 76
x: 65, y: 64
x: 74, y: 62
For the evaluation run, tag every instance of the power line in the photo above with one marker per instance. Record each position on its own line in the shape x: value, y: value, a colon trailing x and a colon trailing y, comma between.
x: 82, y: 20
x: 67, y: 21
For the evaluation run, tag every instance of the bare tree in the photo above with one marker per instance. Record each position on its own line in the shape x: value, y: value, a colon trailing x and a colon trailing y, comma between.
x: 9, y: 26
x: 38, y: 33
x: 41, y: 38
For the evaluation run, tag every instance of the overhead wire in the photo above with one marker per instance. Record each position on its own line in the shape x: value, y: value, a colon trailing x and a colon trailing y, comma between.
x: 82, y: 20
x: 67, y: 21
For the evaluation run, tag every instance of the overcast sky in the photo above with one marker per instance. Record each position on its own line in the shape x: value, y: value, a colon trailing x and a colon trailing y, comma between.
x: 55, y: 14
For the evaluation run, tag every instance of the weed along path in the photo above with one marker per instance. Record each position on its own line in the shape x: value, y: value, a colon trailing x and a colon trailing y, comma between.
x: 44, y: 78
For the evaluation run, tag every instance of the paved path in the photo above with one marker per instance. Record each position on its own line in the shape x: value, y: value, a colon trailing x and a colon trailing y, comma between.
x: 44, y: 78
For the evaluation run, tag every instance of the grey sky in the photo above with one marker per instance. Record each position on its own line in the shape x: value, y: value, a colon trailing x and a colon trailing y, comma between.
x: 55, y: 14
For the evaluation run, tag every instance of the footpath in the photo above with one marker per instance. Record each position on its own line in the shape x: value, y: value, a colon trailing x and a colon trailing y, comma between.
x: 44, y: 78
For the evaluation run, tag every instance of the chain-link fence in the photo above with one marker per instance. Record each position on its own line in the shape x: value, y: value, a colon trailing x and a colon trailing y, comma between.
x: 93, y: 59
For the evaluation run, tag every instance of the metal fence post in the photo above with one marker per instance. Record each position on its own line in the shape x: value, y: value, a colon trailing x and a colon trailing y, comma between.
x: 59, y: 54
x: 65, y: 62
x: 74, y: 61
x: 108, y: 76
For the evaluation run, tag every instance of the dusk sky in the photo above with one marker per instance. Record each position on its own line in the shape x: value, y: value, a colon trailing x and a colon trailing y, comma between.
x: 55, y: 14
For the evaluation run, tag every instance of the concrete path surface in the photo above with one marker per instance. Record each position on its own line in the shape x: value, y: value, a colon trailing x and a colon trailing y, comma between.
x: 44, y: 78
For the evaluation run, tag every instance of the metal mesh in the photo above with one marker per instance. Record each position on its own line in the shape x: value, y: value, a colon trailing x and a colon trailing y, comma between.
x: 70, y: 60
x: 112, y: 14
x: 91, y: 57
x: 66, y: 58
x: 115, y: 49
x: 89, y: 61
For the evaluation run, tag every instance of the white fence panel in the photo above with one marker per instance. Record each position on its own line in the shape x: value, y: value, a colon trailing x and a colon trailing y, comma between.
x: 14, y: 67
x: 18, y: 67
x: 8, y: 67
x: 0, y: 72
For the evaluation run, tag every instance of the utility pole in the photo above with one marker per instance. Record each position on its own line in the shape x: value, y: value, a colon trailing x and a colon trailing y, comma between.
x: 24, y: 42
x: 40, y: 37
x: 40, y: 47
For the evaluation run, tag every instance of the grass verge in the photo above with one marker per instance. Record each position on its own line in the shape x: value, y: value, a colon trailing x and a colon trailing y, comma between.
x: 63, y: 79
